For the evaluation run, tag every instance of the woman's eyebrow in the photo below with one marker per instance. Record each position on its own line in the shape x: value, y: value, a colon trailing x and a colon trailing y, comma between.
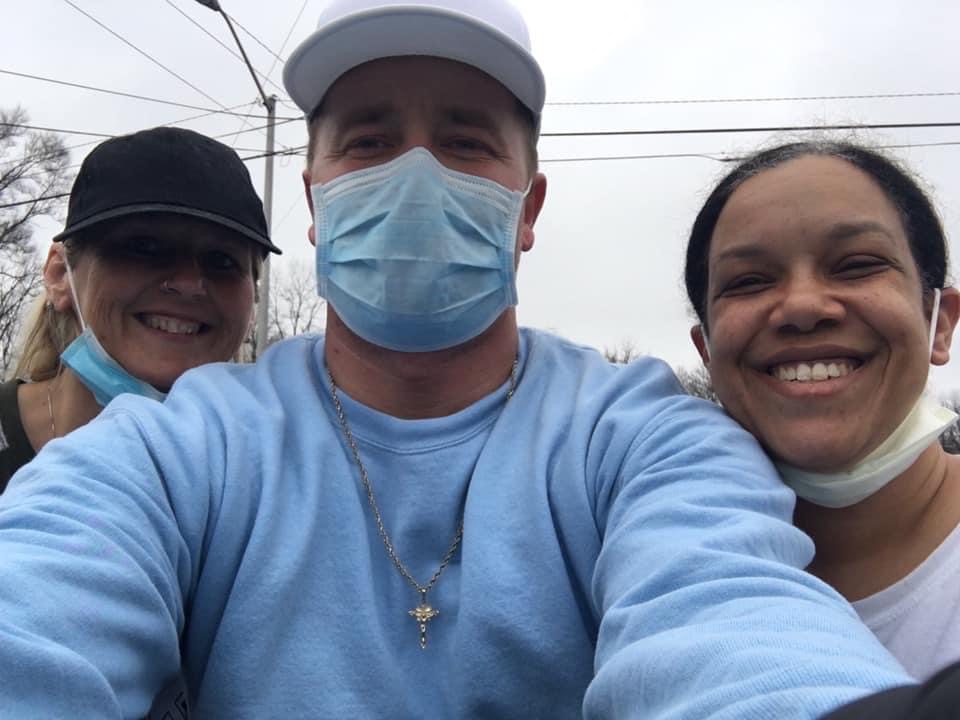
x: 849, y: 229
x: 740, y: 252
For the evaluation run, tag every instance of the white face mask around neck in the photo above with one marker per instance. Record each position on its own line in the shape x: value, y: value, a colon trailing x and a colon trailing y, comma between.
x: 922, y: 426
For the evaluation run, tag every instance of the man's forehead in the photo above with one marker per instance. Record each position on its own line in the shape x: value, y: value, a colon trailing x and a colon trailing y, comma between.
x: 356, y: 111
x: 396, y: 83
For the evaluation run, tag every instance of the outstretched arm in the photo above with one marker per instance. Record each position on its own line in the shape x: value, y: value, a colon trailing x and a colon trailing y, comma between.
x: 94, y: 573
x: 705, y: 609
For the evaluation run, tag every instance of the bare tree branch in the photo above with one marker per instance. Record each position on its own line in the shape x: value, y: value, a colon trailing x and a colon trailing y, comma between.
x: 697, y: 383
x: 295, y: 307
x: 20, y: 282
x: 623, y: 353
x: 33, y: 166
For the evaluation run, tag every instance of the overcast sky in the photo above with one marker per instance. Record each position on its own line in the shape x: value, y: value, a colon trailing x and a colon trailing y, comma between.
x: 606, y: 268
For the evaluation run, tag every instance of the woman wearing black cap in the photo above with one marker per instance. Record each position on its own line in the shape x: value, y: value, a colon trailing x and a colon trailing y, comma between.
x: 154, y: 274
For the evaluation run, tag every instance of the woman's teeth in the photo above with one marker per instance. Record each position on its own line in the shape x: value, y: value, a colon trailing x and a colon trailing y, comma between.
x: 811, y: 372
x: 172, y: 325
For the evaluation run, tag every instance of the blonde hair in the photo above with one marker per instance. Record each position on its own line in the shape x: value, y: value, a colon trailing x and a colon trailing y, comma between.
x: 48, y: 333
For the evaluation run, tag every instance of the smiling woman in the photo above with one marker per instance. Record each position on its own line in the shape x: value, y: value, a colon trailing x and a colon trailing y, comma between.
x: 818, y: 273
x: 154, y: 274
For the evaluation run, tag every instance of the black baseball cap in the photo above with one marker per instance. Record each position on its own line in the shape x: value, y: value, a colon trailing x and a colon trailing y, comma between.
x: 168, y: 170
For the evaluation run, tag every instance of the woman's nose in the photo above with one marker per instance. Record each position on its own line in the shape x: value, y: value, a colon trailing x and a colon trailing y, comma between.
x: 807, y: 304
x: 186, y: 279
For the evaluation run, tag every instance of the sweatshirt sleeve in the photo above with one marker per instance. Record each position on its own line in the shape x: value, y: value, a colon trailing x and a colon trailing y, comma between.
x: 97, y: 551
x: 705, y: 609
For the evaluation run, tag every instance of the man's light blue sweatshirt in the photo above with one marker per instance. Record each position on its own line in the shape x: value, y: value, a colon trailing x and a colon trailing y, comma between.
x: 627, y: 553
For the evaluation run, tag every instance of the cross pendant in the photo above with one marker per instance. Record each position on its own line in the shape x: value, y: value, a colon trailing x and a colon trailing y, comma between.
x: 423, y: 613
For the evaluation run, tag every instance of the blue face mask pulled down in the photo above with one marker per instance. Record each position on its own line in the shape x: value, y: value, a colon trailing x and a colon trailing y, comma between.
x: 101, y: 374
x: 414, y: 256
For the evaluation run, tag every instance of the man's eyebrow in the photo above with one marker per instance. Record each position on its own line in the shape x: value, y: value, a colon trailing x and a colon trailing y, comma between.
x: 475, y: 118
x: 362, y: 115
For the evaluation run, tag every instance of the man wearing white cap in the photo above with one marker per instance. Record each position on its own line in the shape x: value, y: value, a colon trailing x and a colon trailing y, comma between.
x: 427, y: 513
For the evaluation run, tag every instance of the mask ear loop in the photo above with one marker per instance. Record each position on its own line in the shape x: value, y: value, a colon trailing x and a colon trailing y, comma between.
x: 933, y: 322
x: 73, y: 292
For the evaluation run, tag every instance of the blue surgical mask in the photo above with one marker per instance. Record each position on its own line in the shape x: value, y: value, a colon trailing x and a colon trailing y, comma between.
x: 101, y: 374
x: 414, y: 256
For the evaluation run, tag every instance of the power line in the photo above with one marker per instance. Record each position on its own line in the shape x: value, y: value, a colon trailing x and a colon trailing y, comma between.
x: 657, y: 156
x: 34, y: 200
x: 799, y: 98
x: 243, y: 124
x: 256, y: 39
x: 166, y: 124
x: 705, y: 156
x: 145, y: 54
x: 301, y: 150
x: 721, y: 157
x: 283, y: 47
x: 127, y: 95
x: 56, y: 130
x: 591, y: 133
x: 257, y: 128
x: 921, y: 145
x: 220, y: 42
x: 65, y: 131
x: 716, y: 156
x: 785, y: 128
x: 293, y: 205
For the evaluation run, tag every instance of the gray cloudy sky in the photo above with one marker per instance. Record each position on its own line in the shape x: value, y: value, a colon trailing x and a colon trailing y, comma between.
x: 607, y: 263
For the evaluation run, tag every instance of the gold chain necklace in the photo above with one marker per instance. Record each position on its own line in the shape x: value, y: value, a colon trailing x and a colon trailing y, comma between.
x: 53, y: 423
x: 423, y: 612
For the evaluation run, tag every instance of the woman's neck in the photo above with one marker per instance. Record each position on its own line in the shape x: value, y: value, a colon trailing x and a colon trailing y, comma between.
x: 867, y: 547
x: 55, y: 407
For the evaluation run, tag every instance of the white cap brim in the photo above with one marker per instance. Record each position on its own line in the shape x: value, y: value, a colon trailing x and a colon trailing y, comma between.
x: 410, y: 30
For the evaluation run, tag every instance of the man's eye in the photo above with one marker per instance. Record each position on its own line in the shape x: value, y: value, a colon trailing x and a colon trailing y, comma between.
x: 366, y: 146
x: 469, y: 146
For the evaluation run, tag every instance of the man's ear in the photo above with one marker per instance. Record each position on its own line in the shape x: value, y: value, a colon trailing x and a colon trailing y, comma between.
x: 56, y: 282
x: 532, y: 205
x: 311, y: 231
x: 947, y: 318
x: 701, y: 344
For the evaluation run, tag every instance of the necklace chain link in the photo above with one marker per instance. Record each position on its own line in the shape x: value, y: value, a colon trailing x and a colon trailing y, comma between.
x: 424, y: 612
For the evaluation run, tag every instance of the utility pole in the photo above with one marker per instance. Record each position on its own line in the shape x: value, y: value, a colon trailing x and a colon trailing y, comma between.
x: 270, y: 103
x: 263, y: 305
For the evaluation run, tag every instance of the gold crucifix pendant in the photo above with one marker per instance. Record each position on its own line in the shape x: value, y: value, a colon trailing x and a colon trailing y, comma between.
x: 423, y: 613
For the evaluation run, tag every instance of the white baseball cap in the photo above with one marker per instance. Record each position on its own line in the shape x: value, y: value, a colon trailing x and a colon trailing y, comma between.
x: 489, y: 35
